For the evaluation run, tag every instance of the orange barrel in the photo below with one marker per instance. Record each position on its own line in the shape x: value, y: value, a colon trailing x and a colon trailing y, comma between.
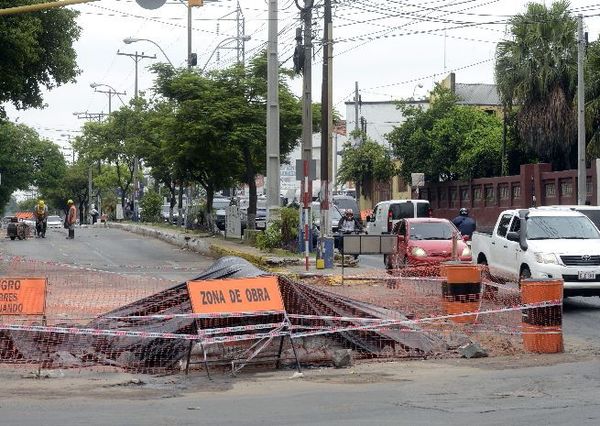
x: 461, y: 290
x: 542, y: 327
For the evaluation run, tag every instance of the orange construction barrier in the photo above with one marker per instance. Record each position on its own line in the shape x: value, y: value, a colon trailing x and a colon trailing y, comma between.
x: 461, y: 291
x: 542, y: 327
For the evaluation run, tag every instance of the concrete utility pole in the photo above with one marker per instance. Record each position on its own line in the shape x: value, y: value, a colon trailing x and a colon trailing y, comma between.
x: 137, y: 57
x: 273, y: 171
x: 326, y: 123
x: 307, y: 179
x: 356, y: 103
x: 581, y: 169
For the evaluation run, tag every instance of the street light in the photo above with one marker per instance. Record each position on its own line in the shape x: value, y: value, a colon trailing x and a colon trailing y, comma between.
x: 419, y: 86
x: 243, y: 38
x: 130, y: 40
x: 111, y: 91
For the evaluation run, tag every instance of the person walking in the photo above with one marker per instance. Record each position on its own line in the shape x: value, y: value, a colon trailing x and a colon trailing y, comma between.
x: 71, y: 219
x: 465, y: 224
x: 41, y: 219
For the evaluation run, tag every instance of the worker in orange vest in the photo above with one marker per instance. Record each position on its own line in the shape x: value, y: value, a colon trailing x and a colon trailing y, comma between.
x: 71, y: 219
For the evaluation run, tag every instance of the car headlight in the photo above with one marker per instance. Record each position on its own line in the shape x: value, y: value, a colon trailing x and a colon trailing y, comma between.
x: 418, y: 251
x: 545, y: 258
x: 466, y: 252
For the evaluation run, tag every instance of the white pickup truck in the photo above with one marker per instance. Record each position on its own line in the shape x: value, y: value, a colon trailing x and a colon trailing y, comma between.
x: 543, y: 243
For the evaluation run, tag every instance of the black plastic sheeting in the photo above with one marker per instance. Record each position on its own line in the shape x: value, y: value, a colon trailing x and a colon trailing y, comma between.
x: 145, y: 354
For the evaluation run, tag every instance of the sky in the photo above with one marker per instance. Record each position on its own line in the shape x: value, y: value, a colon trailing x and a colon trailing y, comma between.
x: 389, y: 47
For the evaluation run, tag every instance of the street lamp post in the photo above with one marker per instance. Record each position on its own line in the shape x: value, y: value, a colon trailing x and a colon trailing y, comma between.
x: 111, y: 91
x: 243, y: 38
x: 130, y: 40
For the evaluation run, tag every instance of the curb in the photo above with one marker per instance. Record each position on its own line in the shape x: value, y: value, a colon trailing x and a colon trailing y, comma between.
x: 201, y: 245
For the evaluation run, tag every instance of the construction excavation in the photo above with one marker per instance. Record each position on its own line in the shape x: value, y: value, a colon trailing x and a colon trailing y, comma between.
x: 94, y: 319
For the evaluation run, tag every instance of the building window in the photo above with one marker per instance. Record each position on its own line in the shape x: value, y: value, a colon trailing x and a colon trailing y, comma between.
x: 550, y: 190
x: 477, y: 194
x: 443, y: 194
x: 504, y: 192
x: 489, y: 193
x: 566, y: 188
x: 588, y: 186
x: 516, y: 192
x: 464, y: 194
x: 453, y: 194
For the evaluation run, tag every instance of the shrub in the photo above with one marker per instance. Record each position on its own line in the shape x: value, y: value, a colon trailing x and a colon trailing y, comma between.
x: 151, y: 205
x: 271, y: 238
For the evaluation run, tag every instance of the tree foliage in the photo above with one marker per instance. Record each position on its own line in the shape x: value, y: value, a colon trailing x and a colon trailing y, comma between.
x: 36, y: 51
x: 447, y: 141
x: 537, y: 71
x: 27, y: 160
x: 364, y: 163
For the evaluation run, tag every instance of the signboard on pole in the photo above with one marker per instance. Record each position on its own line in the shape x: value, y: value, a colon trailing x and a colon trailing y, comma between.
x: 418, y: 180
x: 22, y: 296
x: 235, y: 295
x: 233, y: 221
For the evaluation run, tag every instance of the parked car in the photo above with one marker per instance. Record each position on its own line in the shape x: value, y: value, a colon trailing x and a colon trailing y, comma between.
x: 261, y: 213
x: 345, y: 202
x: 219, y: 205
x: 335, y: 213
x: 165, y: 213
x: 387, y: 213
x: 426, y: 241
x: 54, y: 222
x: 543, y: 243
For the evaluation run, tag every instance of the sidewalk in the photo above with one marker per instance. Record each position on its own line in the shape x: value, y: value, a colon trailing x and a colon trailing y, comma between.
x: 217, y: 246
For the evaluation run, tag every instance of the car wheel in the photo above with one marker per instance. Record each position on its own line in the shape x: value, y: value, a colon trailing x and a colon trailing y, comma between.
x: 13, y: 238
x: 524, y: 274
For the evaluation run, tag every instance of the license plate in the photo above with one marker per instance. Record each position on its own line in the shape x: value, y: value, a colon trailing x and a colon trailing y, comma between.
x: 260, y: 224
x: 587, y: 275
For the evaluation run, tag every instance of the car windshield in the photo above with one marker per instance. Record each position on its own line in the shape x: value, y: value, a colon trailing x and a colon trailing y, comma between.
x: 336, y: 215
x: 594, y: 216
x: 220, y: 204
x: 431, y: 231
x: 53, y: 218
x: 345, y: 204
x: 561, y: 227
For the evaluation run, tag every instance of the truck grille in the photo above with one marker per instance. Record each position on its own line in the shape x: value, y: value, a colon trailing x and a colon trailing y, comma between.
x: 584, y: 260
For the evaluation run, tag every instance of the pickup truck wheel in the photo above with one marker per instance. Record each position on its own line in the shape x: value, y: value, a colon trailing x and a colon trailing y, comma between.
x: 524, y: 274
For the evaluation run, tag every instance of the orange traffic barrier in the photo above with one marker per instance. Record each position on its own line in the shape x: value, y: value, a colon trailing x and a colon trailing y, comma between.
x: 542, y: 327
x: 461, y: 291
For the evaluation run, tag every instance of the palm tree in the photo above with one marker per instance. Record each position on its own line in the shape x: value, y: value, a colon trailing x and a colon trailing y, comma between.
x: 536, y: 71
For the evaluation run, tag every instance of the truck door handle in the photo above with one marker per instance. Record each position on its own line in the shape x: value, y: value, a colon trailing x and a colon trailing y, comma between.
x: 493, y: 243
x: 505, y: 246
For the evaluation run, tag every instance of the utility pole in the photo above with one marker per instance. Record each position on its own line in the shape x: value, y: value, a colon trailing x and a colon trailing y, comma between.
x: 326, y: 125
x: 356, y: 103
x: 273, y: 170
x: 304, y: 63
x: 581, y: 169
x: 137, y: 57
x: 89, y: 116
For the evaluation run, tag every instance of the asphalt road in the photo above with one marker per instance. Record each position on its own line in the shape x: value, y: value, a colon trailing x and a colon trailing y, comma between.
x: 110, y: 250
x: 533, y: 390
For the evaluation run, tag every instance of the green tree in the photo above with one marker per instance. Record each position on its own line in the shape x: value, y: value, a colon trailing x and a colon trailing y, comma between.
x: 537, y: 72
x: 151, y: 204
x: 364, y: 164
x: 26, y: 160
x: 448, y: 141
x: 37, y: 53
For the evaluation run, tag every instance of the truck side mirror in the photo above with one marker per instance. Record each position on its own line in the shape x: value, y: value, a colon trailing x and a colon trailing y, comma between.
x: 513, y: 236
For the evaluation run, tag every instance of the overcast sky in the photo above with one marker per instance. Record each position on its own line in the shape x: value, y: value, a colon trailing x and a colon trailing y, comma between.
x: 388, y: 46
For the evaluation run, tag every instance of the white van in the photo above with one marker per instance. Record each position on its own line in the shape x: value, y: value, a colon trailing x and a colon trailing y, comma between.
x: 387, y: 213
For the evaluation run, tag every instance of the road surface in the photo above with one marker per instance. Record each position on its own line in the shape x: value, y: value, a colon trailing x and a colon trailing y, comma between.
x: 531, y: 389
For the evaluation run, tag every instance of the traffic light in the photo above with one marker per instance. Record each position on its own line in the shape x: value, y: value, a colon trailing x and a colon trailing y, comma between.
x: 193, y: 59
x: 195, y: 3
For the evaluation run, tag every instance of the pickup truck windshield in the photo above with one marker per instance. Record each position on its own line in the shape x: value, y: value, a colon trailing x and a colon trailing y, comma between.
x: 561, y: 227
x: 431, y: 231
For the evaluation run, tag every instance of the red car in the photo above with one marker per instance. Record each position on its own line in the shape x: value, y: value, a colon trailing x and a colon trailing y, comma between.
x: 426, y: 241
